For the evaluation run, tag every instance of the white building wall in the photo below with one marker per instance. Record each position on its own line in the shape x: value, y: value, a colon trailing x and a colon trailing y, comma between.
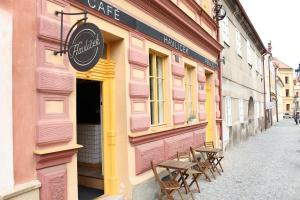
x: 6, y: 123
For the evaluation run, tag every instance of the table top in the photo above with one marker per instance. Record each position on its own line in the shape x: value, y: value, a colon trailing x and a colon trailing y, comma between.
x: 175, y: 164
x: 208, y: 150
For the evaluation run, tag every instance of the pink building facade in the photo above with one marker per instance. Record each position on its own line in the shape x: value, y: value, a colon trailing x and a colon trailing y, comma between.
x: 154, y: 92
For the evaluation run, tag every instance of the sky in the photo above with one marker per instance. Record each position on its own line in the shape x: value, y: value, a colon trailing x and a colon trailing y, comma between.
x: 278, y: 21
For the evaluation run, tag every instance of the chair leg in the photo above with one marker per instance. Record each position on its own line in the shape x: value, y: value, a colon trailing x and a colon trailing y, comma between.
x: 179, y: 194
x: 212, y: 172
x: 219, y: 163
x: 195, y: 179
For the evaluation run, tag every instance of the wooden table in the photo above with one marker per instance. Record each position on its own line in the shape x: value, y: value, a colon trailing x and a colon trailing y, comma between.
x: 210, y: 154
x: 208, y: 150
x: 181, y: 167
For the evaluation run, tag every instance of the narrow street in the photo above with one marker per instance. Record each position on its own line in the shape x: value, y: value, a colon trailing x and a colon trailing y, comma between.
x: 266, y: 166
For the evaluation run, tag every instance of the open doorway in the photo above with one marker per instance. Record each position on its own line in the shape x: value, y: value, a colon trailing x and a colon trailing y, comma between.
x: 89, y: 134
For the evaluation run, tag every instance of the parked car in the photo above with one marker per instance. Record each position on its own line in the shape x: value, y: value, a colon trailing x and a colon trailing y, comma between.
x: 286, y: 115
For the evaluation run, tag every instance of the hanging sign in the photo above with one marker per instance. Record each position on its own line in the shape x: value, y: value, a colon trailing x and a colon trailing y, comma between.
x: 85, y: 47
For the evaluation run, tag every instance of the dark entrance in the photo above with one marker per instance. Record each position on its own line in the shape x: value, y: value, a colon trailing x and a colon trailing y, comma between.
x: 89, y: 134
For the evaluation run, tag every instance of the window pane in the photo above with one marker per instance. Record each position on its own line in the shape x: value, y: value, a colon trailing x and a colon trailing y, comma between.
x: 159, y: 67
x: 160, y: 112
x: 151, y: 89
x: 160, y: 92
x: 152, y: 112
x: 150, y: 65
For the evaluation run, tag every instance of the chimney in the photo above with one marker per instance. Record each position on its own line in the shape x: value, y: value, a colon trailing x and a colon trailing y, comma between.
x: 270, y: 47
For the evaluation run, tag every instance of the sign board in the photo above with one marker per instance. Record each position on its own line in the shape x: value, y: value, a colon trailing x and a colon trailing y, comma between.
x: 85, y: 47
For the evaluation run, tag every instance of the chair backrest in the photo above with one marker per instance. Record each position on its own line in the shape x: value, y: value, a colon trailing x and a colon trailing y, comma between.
x: 209, y: 144
x: 184, y: 156
x: 157, y: 178
x: 194, y: 157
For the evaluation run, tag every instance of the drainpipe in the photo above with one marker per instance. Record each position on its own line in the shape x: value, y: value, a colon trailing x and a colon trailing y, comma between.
x: 264, y: 78
x: 269, y: 65
x: 220, y: 87
x: 276, y: 95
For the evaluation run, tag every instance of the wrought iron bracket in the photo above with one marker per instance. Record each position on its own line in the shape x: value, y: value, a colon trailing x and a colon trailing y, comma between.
x: 63, y: 45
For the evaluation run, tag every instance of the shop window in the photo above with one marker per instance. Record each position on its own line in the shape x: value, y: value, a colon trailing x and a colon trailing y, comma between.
x: 189, y: 82
x: 157, y: 89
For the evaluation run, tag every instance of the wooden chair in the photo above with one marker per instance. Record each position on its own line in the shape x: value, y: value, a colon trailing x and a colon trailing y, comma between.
x: 186, y: 156
x: 218, y: 157
x: 167, y: 186
x: 202, y: 166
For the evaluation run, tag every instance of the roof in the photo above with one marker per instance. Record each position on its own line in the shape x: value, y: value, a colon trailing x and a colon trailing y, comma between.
x: 247, y: 19
x: 280, y: 64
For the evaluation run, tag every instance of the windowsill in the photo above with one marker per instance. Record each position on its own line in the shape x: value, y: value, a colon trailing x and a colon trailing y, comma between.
x: 166, y: 133
x: 226, y: 44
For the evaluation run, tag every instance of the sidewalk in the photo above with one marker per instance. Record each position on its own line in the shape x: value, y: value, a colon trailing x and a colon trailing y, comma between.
x: 265, y: 167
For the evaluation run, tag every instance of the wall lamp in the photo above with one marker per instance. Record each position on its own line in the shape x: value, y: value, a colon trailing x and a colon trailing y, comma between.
x: 219, y: 11
x: 221, y: 60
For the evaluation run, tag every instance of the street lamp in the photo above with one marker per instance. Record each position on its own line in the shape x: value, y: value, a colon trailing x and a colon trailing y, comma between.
x: 298, y: 73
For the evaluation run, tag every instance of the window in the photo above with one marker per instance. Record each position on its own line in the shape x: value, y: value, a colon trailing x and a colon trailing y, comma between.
x: 257, y: 109
x: 225, y: 29
x: 287, y: 107
x: 241, y: 108
x: 157, y: 85
x: 286, y: 80
x: 249, y: 54
x: 228, y: 111
x: 189, y: 92
x: 255, y: 63
x: 287, y: 93
x: 238, y: 43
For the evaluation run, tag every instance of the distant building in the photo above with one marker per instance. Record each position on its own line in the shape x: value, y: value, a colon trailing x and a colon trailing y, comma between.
x: 286, y: 72
x: 242, y: 75
x: 279, y: 97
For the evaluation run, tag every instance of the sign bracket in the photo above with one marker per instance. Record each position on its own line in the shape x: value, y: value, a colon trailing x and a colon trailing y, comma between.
x: 63, y: 47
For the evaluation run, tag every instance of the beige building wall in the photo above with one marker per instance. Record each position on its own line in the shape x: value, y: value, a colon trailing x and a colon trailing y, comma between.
x: 241, y: 82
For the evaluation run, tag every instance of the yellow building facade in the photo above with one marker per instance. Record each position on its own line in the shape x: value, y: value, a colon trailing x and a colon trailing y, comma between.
x: 286, y: 74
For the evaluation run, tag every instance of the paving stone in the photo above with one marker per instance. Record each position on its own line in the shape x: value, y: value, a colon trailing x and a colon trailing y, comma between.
x: 265, y: 167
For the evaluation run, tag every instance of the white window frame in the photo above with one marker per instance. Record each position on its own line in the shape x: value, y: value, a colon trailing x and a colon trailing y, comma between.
x: 257, y: 110
x: 238, y: 42
x: 249, y: 53
x: 228, y: 111
x: 225, y: 30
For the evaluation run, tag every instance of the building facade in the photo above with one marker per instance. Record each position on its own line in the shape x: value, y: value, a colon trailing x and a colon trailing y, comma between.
x: 242, y: 75
x: 286, y: 74
x: 155, y: 91
x: 279, y: 98
x: 271, y: 72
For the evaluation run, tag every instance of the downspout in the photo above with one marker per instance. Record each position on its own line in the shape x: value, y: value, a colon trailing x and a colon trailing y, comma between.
x: 220, y: 87
x: 270, y: 116
x: 276, y: 95
x: 264, y: 78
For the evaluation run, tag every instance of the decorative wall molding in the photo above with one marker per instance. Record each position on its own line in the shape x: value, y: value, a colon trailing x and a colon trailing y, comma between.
x: 143, y: 139
x: 164, y: 145
x: 54, y: 183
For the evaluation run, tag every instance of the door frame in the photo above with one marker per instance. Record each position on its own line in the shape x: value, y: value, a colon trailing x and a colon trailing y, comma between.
x: 104, y: 71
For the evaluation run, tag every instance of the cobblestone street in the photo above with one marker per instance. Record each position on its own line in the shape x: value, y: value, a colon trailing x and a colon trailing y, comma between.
x: 266, y: 166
